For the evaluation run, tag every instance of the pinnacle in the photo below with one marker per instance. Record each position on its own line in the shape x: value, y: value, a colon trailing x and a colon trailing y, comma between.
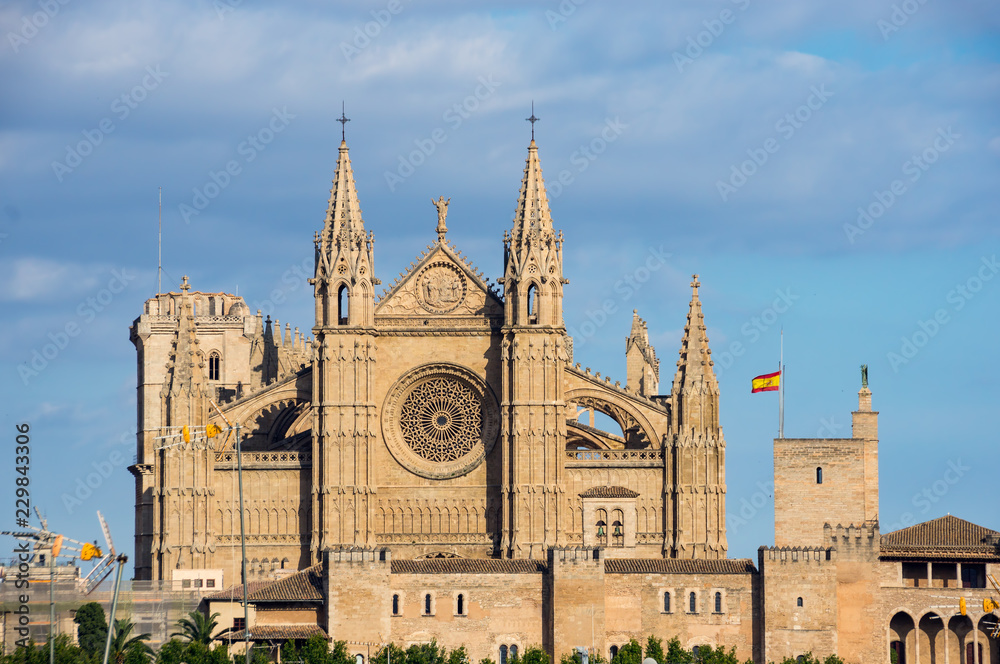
x: 343, y: 210
x: 695, y: 363
x: 532, y: 216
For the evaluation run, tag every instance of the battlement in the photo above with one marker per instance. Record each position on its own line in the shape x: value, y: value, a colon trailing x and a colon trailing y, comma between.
x: 866, y: 534
x: 357, y: 554
x: 797, y: 554
x: 577, y: 555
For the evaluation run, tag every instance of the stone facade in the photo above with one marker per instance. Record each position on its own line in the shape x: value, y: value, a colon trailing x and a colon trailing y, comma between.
x: 423, y: 454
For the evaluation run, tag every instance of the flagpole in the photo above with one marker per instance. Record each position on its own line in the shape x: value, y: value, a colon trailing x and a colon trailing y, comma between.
x: 781, y: 386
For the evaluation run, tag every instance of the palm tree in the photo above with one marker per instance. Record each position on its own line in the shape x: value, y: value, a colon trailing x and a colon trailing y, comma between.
x: 122, y: 645
x: 197, y: 628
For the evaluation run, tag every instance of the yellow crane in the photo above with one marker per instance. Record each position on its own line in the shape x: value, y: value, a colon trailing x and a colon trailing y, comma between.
x: 989, y: 606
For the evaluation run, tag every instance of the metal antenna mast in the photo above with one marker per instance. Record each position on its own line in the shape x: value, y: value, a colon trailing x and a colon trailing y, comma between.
x: 159, y: 247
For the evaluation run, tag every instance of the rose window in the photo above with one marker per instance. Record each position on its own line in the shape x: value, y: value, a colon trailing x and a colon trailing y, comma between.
x: 441, y: 420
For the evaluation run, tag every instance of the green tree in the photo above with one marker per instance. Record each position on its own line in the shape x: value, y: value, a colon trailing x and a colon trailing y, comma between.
x: 390, y: 654
x: 717, y: 655
x: 676, y: 654
x: 258, y: 655
x: 93, y: 628
x: 654, y: 649
x: 198, y: 628
x: 630, y: 653
x: 425, y: 653
x: 341, y: 655
x: 534, y: 655
x: 486, y: 660
x: 458, y: 656
x: 127, y: 648
x: 316, y: 650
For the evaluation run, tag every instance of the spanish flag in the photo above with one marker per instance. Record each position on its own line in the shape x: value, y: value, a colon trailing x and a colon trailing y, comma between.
x: 766, y: 383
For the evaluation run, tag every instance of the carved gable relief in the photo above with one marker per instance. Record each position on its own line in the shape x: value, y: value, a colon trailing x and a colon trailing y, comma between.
x: 439, y: 286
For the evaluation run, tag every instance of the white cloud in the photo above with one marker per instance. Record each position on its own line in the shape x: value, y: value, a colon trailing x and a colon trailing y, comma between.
x: 33, y: 279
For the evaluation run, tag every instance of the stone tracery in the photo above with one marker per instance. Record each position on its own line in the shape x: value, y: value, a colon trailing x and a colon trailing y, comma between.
x: 441, y: 419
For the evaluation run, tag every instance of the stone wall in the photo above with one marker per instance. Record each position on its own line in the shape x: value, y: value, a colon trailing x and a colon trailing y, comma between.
x: 802, y: 505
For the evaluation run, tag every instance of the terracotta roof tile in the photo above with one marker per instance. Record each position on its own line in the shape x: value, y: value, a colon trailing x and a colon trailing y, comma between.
x: 235, y: 592
x: 609, y: 492
x: 467, y: 566
x: 304, y: 586
x: 678, y: 566
x: 275, y: 633
x: 946, y: 537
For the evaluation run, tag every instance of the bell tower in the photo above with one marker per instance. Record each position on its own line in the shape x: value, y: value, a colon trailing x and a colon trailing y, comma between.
x: 534, y: 355
x: 344, y: 355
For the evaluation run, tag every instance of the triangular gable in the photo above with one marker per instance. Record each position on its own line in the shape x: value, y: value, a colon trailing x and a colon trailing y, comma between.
x: 440, y: 283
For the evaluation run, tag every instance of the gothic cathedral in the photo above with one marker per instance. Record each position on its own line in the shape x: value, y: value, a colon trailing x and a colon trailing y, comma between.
x: 444, y: 418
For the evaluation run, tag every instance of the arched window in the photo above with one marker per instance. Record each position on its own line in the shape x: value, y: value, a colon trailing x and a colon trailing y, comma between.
x: 666, y: 602
x: 718, y: 602
x: 427, y: 604
x: 460, y: 605
x: 343, y: 305
x: 798, y: 602
x: 395, y: 605
x: 613, y: 651
x: 532, y: 304
x: 214, y: 366
x: 503, y: 654
x: 695, y: 650
x: 692, y: 603
x: 602, y: 527
x: 513, y: 652
x: 359, y: 659
x: 819, y: 475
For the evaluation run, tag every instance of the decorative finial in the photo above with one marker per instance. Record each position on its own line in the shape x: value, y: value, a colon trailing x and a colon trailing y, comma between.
x: 695, y: 283
x: 185, y: 286
x: 532, y: 119
x: 864, y: 376
x: 442, y: 208
x: 343, y: 120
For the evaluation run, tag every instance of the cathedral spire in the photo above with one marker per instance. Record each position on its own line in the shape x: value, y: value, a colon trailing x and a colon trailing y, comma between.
x: 343, y: 211
x: 695, y: 388
x: 532, y: 217
x: 533, y: 253
x: 642, y: 368
x: 344, y: 280
x: 184, y: 389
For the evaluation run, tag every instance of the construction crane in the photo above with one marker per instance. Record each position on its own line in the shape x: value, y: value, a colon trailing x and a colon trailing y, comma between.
x: 55, y: 544
x: 990, y: 605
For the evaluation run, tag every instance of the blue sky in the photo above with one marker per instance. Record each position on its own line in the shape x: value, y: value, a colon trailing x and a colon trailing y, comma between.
x: 739, y: 137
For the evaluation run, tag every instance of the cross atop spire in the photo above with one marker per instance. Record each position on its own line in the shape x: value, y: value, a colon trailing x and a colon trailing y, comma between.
x: 695, y: 283
x: 185, y: 286
x: 343, y: 120
x: 532, y: 119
